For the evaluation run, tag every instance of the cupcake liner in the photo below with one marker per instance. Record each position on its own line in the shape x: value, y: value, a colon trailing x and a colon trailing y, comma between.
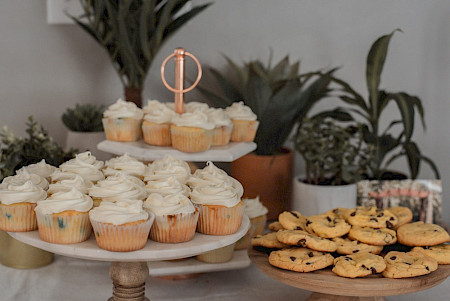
x: 220, y: 255
x: 122, y: 238
x: 259, y: 223
x: 19, y: 217
x: 156, y: 134
x: 222, y: 135
x: 122, y: 129
x: 244, y: 130
x: 175, y: 228
x: 219, y: 220
x: 67, y: 227
x: 190, y: 139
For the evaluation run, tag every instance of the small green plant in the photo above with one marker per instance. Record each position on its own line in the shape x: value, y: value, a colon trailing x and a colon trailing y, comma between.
x: 16, y: 152
x: 279, y: 95
x: 84, y: 118
x: 334, y: 153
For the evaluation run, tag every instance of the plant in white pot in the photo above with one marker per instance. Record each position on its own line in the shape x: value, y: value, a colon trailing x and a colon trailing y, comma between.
x: 85, y: 129
x: 335, y: 157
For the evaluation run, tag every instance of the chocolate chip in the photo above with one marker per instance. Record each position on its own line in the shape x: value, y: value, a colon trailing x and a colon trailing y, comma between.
x: 347, y: 258
x: 392, y: 218
x: 435, y: 230
x: 355, y: 251
x: 364, y: 267
x: 353, y: 213
x: 408, y: 263
x: 427, y: 268
x: 335, y: 211
x: 426, y: 248
x: 328, y: 219
x: 373, y: 219
x: 310, y: 254
x: 380, y: 215
x: 294, y: 214
x: 374, y: 271
x: 292, y: 258
x: 301, y: 242
x: 298, y: 228
x: 308, y: 222
x: 393, y: 258
x: 389, y: 225
x: 308, y: 263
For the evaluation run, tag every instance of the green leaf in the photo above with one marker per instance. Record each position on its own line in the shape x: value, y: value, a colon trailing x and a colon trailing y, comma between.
x: 227, y: 87
x: 181, y: 20
x: 214, y: 99
x: 433, y: 166
x: 241, y: 73
x: 338, y: 114
x: 258, y: 92
x: 355, y: 98
x: 406, y: 107
x: 413, y: 155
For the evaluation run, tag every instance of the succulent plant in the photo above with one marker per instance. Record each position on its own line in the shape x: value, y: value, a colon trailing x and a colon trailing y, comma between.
x: 394, y: 140
x: 84, y: 118
x: 16, y: 152
x: 277, y: 94
x: 334, y: 153
x: 133, y: 31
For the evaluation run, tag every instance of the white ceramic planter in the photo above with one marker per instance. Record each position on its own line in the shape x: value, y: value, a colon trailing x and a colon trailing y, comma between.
x: 84, y: 141
x: 315, y: 199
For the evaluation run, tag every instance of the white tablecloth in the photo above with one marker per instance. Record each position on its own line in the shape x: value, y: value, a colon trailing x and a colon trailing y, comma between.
x: 75, y: 279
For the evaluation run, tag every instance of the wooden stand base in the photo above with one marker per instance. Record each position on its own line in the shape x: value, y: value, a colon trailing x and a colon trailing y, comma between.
x: 326, y: 297
x: 128, y: 281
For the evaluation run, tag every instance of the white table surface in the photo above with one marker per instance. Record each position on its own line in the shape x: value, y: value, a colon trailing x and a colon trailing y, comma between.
x: 84, y: 280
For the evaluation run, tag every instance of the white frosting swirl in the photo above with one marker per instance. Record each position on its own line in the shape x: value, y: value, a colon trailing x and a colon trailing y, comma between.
x: 63, y: 201
x: 193, y: 106
x: 168, y: 166
x: 41, y: 168
x: 119, y: 213
x: 218, y: 117
x: 27, y: 192
x: 157, y: 112
x: 125, y: 164
x: 220, y: 195
x: 23, y: 176
x: 65, y: 185
x: 85, y: 165
x: 196, y: 119
x: 168, y: 205
x: 253, y: 207
x: 119, y: 187
x: 166, y: 186
x: 123, y: 109
x: 239, y: 111
x: 212, y: 175
x: 58, y: 176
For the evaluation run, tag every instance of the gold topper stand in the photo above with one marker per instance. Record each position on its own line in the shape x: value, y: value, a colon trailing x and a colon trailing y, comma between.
x: 179, y: 54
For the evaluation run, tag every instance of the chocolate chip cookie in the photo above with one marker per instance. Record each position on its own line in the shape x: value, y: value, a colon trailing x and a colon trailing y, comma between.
x: 371, y: 217
x: 358, y: 265
x: 300, y: 259
x: 419, y: 234
x: 292, y: 220
x: 403, y: 214
x: 304, y: 239
x: 339, y: 212
x: 403, y: 265
x: 371, y: 236
x: 440, y: 252
x: 327, y: 226
x: 275, y: 226
x: 346, y: 246
x: 268, y: 240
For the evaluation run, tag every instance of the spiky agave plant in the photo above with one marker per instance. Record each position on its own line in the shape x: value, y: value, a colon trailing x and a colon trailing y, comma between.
x: 279, y: 95
x: 132, y: 32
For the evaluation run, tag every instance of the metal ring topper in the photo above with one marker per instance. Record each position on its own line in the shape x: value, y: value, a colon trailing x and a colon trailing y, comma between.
x: 179, y: 90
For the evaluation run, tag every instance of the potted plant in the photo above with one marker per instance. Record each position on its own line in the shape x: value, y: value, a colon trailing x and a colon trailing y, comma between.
x: 85, y: 128
x: 278, y: 95
x: 16, y: 152
x: 132, y: 32
x: 335, y: 157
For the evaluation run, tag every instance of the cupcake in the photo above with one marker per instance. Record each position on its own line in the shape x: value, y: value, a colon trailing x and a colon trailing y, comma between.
x: 166, y: 186
x: 85, y: 165
x: 194, y: 106
x: 65, y: 185
x: 175, y: 218
x: 125, y: 164
x: 116, y: 188
x: 41, y: 169
x: 244, y: 122
x: 257, y: 213
x: 63, y: 218
x: 168, y: 166
x: 220, y: 208
x: 17, y: 203
x: 122, y: 226
x: 156, y: 123
x: 191, y: 132
x: 222, y: 126
x: 122, y: 121
x: 23, y: 176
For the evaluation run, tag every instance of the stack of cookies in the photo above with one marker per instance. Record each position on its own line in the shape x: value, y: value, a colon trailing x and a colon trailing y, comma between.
x: 352, y: 240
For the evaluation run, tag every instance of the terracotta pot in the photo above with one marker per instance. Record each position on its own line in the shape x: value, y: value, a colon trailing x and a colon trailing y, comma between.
x: 270, y: 177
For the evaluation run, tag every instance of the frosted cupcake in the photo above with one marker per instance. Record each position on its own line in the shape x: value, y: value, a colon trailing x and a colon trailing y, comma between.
x: 222, y: 126
x: 17, y: 203
x: 191, y: 132
x: 156, y: 123
x: 85, y: 165
x: 121, y: 226
x: 166, y: 186
x: 175, y: 218
x: 122, y: 121
x: 116, y: 188
x: 66, y: 185
x: 220, y: 208
x: 257, y: 213
x: 41, y: 168
x: 125, y: 164
x: 63, y: 218
x: 23, y: 176
x: 166, y: 167
x: 194, y: 106
x: 244, y: 122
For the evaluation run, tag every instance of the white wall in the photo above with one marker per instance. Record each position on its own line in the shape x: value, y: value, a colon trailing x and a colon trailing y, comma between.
x: 45, y: 68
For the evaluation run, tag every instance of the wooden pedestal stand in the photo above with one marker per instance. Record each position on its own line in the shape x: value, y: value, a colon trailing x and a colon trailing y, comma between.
x: 329, y: 287
x: 129, y: 270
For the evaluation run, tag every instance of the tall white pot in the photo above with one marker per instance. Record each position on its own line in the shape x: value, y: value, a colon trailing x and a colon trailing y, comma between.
x: 315, y: 199
x: 84, y: 141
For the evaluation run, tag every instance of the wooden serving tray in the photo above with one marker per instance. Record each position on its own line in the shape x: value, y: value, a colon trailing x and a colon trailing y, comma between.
x: 328, y: 286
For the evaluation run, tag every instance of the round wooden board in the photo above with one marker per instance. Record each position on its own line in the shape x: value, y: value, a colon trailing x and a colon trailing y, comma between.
x: 326, y: 282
